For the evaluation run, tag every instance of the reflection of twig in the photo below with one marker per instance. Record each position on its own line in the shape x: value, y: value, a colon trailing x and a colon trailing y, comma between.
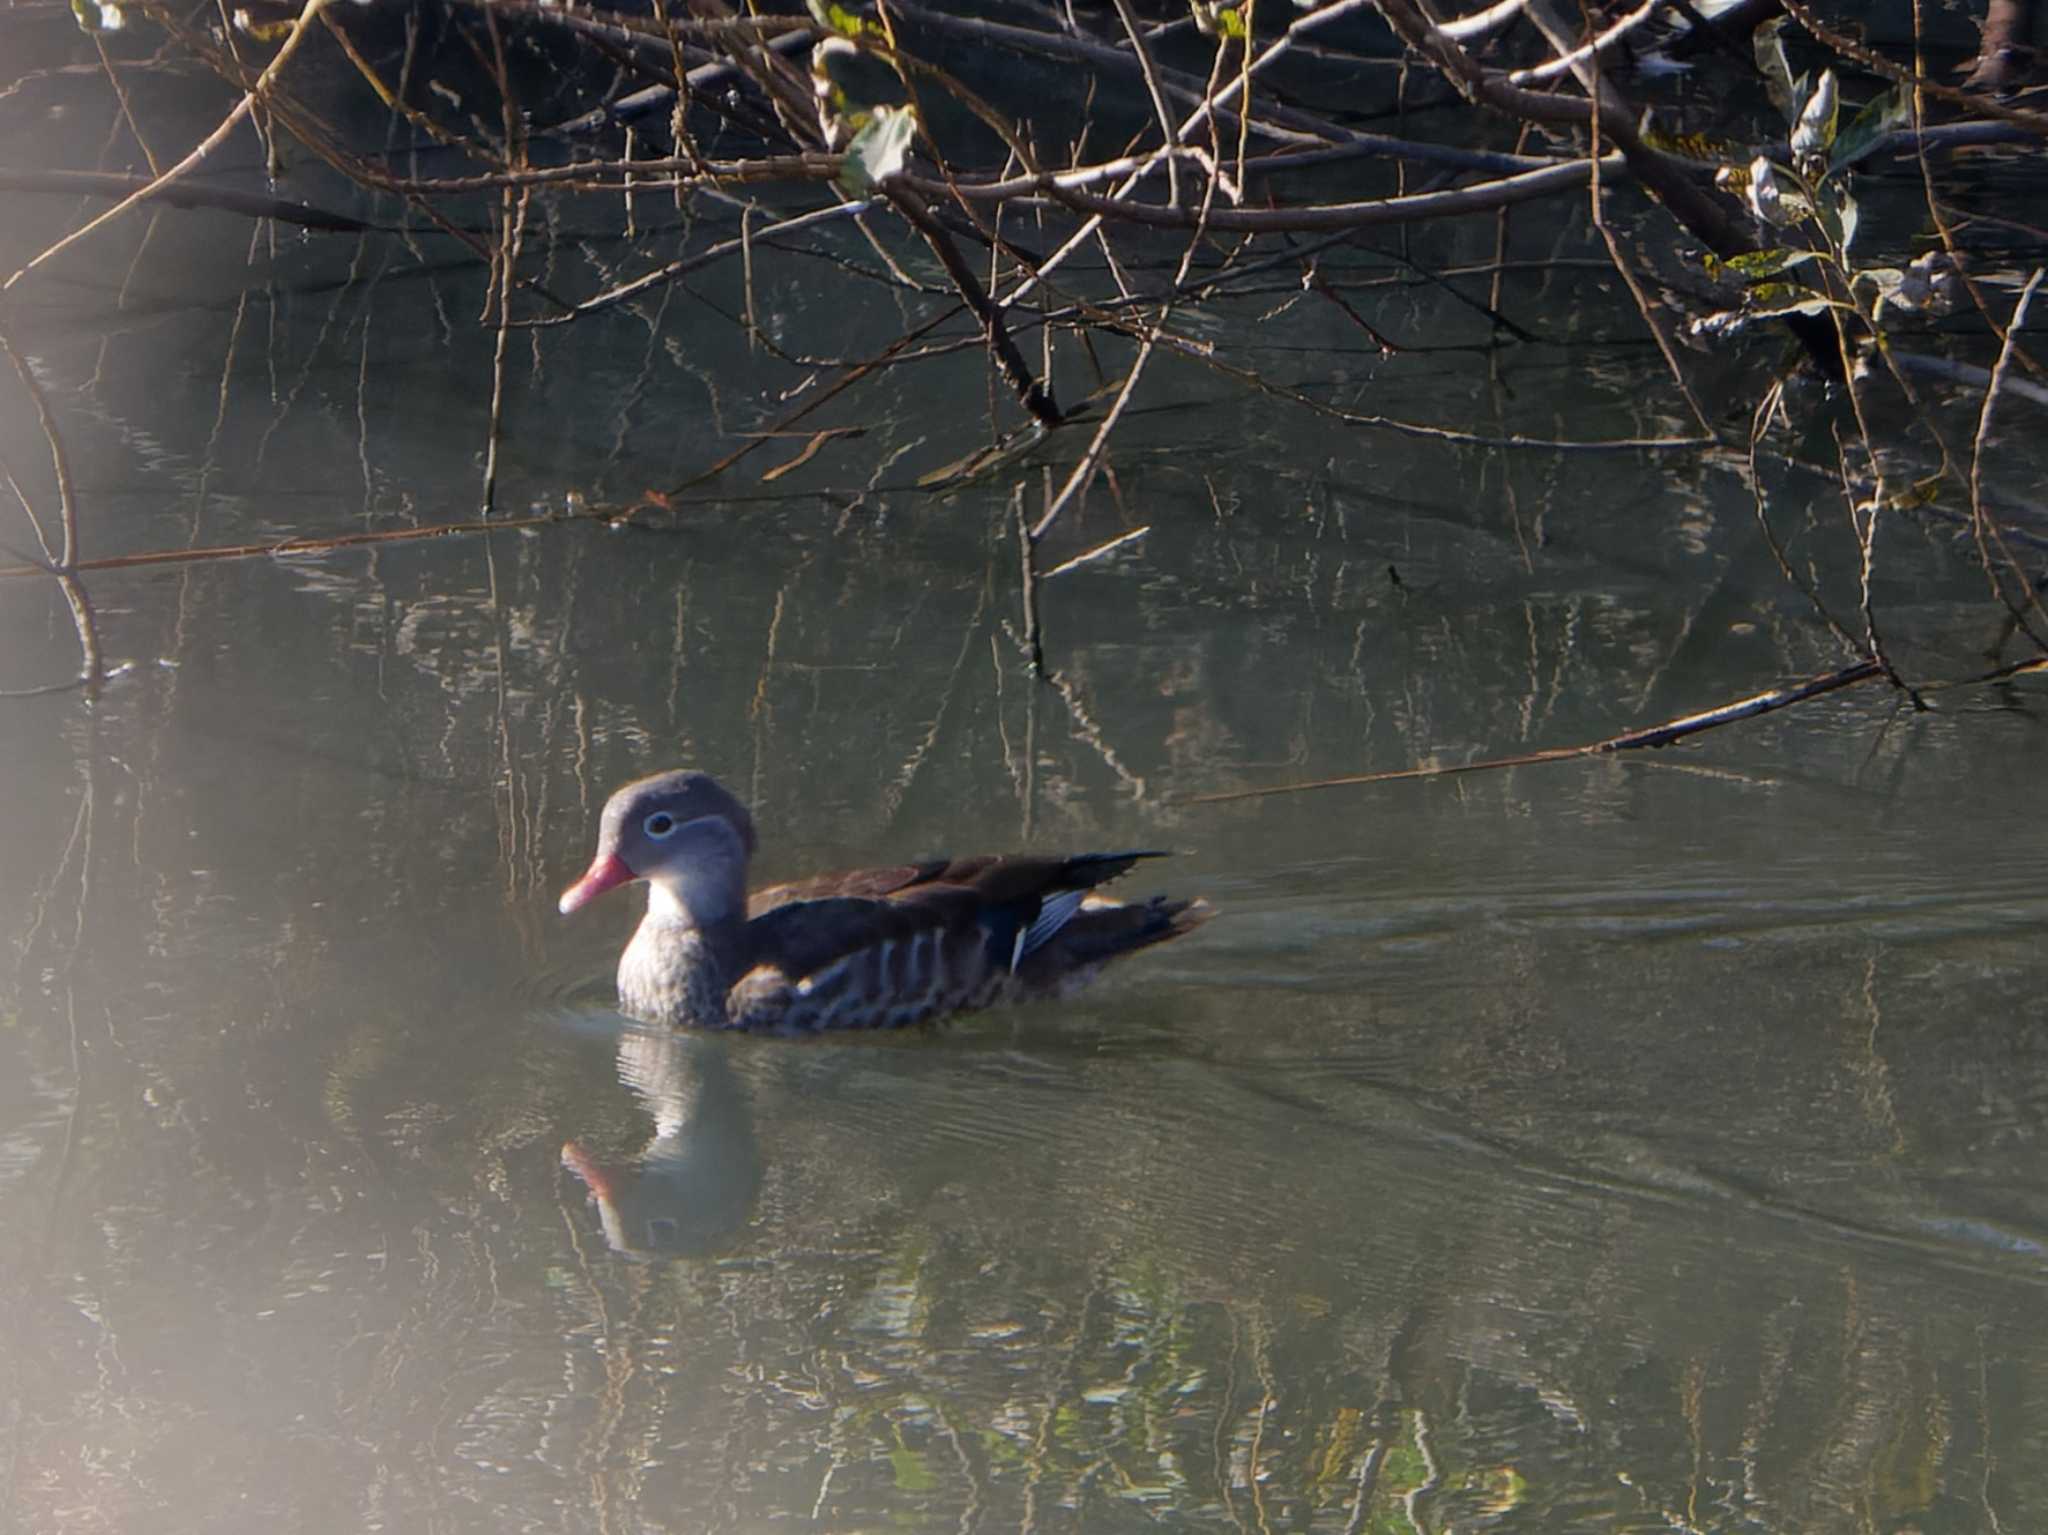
x: 1027, y: 557
x: 1633, y: 740
x: 1218, y: 1446
x: 1084, y: 471
x: 1432, y: 1473
x: 64, y: 565
x: 663, y: 275
x: 1760, y: 422
x: 1268, y: 1399
x: 1252, y: 380
x: 893, y: 795
x: 1368, y: 1479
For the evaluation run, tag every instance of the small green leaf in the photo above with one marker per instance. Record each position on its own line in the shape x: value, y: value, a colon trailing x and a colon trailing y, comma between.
x: 834, y: 17
x: 1880, y: 115
x: 878, y: 149
x: 910, y: 1471
x: 1756, y: 265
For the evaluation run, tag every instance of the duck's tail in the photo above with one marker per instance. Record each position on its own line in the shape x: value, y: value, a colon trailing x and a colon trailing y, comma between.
x: 1103, y: 930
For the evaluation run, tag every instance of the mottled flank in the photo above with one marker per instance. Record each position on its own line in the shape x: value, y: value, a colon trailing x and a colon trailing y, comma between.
x: 865, y: 949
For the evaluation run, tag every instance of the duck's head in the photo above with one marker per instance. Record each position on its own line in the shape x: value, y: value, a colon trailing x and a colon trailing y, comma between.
x: 683, y: 833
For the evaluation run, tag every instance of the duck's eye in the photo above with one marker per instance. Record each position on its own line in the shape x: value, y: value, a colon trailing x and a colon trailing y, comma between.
x: 660, y: 824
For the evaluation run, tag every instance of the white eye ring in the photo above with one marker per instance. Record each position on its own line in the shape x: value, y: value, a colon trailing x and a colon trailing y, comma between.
x: 660, y: 826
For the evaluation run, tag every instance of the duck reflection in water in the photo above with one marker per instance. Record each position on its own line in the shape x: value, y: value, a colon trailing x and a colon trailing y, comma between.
x: 695, y: 1181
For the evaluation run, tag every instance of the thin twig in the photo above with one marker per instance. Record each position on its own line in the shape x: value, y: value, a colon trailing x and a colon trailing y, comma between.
x: 300, y: 30
x: 65, y: 568
x: 1143, y: 54
x: 1632, y: 740
x: 1981, y: 522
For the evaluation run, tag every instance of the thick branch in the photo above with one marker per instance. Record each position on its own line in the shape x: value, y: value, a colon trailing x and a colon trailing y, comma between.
x: 1030, y: 394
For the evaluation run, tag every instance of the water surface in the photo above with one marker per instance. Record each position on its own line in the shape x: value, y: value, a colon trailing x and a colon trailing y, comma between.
x: 1635, y: 1144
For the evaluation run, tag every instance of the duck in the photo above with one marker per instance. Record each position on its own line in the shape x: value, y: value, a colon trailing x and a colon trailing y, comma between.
x: 879, y: 948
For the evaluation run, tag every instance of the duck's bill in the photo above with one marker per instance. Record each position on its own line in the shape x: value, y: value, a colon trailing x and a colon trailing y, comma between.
x: 605, y: 871
x: 593, y: 1174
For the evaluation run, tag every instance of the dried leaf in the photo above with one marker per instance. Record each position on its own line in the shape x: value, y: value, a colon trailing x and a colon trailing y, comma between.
x: 1700, y: 148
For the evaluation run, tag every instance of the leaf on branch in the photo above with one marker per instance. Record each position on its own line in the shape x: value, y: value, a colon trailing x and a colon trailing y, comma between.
x: 1771, y: 203
x: 837, y: 18
x: 1879, y: 116
x: 1214, y: 19
x: 1814, y: 133
x: 1700, y: 148
x: 1785, y: 92
x: 1772, y: 301
x: 1753, y: 266
x: 98, y: 16
x: 1847, y: 216
x: 878, y: 149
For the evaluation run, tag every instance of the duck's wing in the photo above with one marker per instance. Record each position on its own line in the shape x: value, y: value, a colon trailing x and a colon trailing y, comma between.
x: 870, y: 884
x: 878, y: 948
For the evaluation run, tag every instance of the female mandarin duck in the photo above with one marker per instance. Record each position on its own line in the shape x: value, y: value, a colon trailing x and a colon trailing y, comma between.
x: 868, y: 949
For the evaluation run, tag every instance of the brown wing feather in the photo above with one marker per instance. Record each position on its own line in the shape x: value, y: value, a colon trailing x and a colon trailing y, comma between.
x: 803, y: 927
x: 868, y: 884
